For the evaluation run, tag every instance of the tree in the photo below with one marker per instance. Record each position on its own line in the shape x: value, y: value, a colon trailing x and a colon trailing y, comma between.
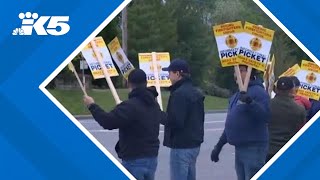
x: 194, y: 37
x: 150, y: 28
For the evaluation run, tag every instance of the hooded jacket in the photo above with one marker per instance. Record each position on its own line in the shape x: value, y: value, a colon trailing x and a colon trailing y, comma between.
x: 138, y: 121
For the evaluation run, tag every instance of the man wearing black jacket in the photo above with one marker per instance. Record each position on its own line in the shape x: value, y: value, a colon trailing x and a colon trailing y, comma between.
x: 138, y: 121
x: 184, y: 129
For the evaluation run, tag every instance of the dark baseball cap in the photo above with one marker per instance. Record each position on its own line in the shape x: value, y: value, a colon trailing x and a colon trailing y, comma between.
x: 296, y: 81
x: 178, y: 65
x: 137, y: 76
x: 285, y: 83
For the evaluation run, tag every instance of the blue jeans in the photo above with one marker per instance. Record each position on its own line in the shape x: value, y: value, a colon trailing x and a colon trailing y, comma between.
x: 142, y: 169
x: 249, y: 160
x: 183, y: 163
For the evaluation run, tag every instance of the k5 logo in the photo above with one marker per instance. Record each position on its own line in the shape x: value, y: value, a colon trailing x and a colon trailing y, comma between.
x: 57, y: 25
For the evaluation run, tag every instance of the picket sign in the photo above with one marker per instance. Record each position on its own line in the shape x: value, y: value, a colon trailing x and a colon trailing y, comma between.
x: 105, y: 72
x: 247, y: 78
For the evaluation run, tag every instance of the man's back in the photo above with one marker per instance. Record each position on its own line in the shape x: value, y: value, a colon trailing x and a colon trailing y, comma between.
x: 140, y: 138
x: 138, y: 121
x: 286, y: 118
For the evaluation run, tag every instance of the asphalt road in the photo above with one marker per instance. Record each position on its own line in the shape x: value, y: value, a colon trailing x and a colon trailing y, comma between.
x: 206, y: 170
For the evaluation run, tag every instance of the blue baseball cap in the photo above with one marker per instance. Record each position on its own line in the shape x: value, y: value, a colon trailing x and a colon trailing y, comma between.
x: 178, y: 65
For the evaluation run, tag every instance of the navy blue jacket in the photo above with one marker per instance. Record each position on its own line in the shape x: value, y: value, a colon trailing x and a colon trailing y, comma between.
x: 247, y: 123
x: 184, y: 125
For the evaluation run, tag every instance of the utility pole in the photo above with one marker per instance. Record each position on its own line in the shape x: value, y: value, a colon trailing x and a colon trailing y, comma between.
x: 124, y: 23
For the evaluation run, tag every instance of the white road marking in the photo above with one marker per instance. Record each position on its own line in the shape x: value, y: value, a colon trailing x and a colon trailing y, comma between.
x: 94, y: 122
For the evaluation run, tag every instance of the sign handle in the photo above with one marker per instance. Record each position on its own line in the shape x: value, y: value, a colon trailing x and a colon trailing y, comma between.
x: 156, y: 75
x: 247, y: 79
x: 71, y: 67
x: 271, y: 76
x: 105, y: 72
x: 239, y: 79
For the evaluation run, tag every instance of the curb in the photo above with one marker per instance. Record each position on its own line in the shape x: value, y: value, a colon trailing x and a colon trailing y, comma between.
x: 216, y: 111
x: 82, y: 117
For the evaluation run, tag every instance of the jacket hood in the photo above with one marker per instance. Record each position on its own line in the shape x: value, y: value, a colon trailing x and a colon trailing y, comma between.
x: 153, y: 90
x: 256, y: 82
x: 144, y: 94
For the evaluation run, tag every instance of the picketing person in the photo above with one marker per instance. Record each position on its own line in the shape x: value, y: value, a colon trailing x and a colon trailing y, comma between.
x: 184, y: 125
x: 246, y: 127
x: 138, y: 120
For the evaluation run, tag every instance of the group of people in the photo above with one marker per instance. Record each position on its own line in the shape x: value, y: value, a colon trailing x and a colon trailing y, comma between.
x: 256, y: 125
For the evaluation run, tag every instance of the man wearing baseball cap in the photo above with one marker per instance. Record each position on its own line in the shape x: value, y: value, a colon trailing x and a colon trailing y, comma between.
x: 246, y: 126
x: 138, y: 121
x: 184, y: 123
x: 286, y: 116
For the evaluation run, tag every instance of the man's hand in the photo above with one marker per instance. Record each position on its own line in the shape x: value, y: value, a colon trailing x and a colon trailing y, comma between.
x: 245, y: 98
x: 88, y: 100
x: 215, y: 154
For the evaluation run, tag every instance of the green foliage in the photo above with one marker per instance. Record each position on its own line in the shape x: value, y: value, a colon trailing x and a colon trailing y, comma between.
x: 184, y: 29
x: 72, y: 100
x: 151, y: 28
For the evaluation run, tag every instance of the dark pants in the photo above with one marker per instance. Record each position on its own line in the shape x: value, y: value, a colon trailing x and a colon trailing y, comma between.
x: 142, y: 169
x: 249, y: 160
x: 183, y: 163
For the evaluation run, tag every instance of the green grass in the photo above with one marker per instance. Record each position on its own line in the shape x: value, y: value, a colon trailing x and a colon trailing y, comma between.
x: 72, y: 100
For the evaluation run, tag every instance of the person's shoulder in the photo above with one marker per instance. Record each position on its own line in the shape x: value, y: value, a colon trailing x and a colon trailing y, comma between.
x: 297, y: 107
x: 301, y: 108
x: 128, y: 103
x: 258, y: 91
x: 258, y: 88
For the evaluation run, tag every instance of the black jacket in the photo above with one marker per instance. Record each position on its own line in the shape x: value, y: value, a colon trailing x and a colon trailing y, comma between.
x: 286, y: 119
x: 138, y: 120
x: 185, y: 116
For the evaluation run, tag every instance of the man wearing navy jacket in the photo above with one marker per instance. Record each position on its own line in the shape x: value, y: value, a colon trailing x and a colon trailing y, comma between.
x: 184, y: 125
x: 246, y: 127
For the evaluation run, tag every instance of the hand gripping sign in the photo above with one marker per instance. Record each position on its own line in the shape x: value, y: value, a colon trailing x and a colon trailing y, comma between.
x: 309, y: 77
x: 100, y: 63
x: 152, y: 64
x: 120, y: 58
